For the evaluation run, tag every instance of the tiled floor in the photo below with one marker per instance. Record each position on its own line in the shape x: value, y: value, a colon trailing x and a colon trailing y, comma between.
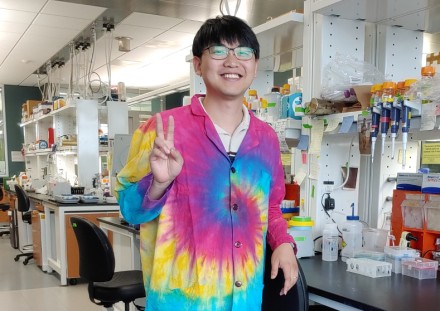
x: 27, y: 287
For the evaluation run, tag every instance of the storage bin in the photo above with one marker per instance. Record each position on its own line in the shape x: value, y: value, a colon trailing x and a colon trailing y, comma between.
x: 374, y: 239
x: 413, y: 211
x: 432, y: 213
x: 420, y: 268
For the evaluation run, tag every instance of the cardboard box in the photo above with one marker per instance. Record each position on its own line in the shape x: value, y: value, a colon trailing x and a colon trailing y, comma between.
x: 409, y: 181
x: 431, y: 183
x: 29, y: 105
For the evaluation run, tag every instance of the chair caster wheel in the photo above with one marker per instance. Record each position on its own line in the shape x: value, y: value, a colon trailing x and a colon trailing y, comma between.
x: 16, y: 258
x: 25, y: 262
x: 73, y: 281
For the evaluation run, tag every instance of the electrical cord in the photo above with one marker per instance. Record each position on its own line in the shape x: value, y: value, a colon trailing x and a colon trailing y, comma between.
x: 429, y: 250
x: 347, y: 166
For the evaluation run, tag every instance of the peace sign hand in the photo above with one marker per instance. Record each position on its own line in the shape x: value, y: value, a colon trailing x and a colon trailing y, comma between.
x: 165, y: 161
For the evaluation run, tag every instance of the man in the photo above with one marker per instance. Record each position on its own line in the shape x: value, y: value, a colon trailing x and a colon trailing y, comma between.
x: 206, y: 181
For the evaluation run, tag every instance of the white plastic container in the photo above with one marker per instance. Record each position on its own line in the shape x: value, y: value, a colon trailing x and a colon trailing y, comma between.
x: 352, y: 236
x: 330, y: 242
x: 369, y: 267
x: 273, y: 105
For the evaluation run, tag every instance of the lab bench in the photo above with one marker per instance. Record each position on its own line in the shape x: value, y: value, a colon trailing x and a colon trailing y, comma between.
x: 55, y: 241
x: 330, y: 284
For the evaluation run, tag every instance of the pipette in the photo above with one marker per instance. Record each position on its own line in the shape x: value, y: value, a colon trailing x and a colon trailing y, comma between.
x: 375, y: 120
x: 388, y: 90
x: 375, y: 109
x: 406, y: 119
x: 395, y: 114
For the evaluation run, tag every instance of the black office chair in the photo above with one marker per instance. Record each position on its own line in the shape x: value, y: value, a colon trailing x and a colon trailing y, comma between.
x: 97, y: 267
x: 23, y: 206
x: 4, y: 207
x: 297, y: 298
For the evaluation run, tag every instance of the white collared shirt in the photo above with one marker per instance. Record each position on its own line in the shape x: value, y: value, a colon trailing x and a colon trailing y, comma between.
x: 233, y: 142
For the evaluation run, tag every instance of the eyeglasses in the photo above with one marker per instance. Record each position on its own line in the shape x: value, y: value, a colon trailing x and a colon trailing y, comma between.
x: 221, y: 52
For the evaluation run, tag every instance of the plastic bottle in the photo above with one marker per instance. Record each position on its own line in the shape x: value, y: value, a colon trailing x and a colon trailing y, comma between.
x: 262, y: 110
x: 253, y: 102
x: 330, y: 242
x: 428, y: 115
x: 296, y: 106
x: 273, y: 104
x: 285, y: 91
x: 352, y: 236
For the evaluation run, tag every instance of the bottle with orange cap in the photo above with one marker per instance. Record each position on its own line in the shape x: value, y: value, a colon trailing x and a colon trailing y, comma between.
x: 285, y: 92
x: 252, y: 100
x: 428, y: 117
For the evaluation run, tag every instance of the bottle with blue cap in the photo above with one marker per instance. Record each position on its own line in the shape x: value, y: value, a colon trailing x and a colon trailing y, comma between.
x: 351, y: 235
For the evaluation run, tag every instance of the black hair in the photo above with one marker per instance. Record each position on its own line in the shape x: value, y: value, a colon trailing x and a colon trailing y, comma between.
x: 226, y: 28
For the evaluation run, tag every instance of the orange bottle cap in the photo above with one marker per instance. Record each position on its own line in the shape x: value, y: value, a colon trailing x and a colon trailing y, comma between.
x: 408, y: 82
x: 389, y: 85
x: 252, y: 92
x: 428, y: 71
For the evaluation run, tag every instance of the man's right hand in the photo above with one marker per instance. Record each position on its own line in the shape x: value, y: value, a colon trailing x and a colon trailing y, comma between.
x: 166, y: 162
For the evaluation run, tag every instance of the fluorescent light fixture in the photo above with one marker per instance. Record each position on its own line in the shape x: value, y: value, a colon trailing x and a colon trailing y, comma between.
x: 167, y: 93
x: 159, y: 92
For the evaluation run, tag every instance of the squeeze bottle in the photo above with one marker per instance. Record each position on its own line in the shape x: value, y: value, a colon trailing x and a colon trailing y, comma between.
x: 330, y: 242
x: 352, y: 235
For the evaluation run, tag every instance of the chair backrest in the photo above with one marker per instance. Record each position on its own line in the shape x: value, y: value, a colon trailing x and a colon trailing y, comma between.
x: 297, y: 298
x: 96, y: 257
x: 22, y: 199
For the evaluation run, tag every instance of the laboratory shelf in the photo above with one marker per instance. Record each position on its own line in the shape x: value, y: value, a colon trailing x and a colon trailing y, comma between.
x: 281, y: 42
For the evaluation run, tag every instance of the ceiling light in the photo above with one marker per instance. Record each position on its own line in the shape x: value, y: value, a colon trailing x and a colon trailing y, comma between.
x: 124, y: 44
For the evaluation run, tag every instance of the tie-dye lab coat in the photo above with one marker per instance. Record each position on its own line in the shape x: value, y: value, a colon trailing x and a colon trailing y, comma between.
x: 203, y: 242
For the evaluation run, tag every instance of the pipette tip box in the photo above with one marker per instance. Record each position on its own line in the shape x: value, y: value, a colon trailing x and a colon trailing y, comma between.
x: 420, y: 268
x: 369, y: 267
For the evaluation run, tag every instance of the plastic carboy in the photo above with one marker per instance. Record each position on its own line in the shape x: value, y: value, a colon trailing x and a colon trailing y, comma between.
x: 352, y: 236
x: 330, y: 242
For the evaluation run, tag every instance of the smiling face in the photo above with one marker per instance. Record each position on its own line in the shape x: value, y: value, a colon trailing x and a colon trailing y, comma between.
x: 227, y: 78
